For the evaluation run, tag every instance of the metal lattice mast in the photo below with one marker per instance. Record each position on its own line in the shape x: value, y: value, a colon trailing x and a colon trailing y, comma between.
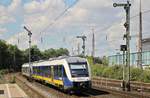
x: 140, y: 38
x: 93, y: 43
x: 83, y: 46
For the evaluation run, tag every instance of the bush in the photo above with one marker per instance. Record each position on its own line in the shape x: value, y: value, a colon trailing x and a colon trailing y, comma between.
x: 90, y: 60
x: 4, y: 71
x: 97, y: 69
x: 135, y: 74
x: 107, y: 72
x: 146, y: 76
x: 116, y: 72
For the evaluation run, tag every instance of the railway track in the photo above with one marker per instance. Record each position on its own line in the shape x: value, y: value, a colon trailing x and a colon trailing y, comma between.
x: 117, y: 83
x: 41, y: 90
x: 38, y: 90
x: 139, y: 90
x: 101, y: 89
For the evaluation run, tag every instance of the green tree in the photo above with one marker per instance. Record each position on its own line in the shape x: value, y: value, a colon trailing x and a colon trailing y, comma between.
x: 12, y: 58
x: 61, y: 52
x: 4, y: 55
x: 55, y: 53
x: 35, y: 53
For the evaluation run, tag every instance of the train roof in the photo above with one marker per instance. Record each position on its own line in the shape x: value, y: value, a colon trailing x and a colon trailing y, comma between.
x: 75, y: 59
x: 69, y: 59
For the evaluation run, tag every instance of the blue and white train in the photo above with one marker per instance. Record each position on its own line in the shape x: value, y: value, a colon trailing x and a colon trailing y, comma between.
x: 67, y: 73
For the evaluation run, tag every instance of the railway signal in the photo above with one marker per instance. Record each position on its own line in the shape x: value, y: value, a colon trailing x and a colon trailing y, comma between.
x: 127, y: 36
x: 124, y: 49
x: 29, y: 34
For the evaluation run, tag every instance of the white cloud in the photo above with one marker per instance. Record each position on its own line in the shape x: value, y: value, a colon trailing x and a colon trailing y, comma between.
x: 115, y: 35
x: 84, y: 11
x: 5, y: 17
x: 3, y: 30
x: 14, y: 6
x: 36, y: 6
x: 7, y: 13
x: 37, y: 23
x: 39, y: 15
x: 20, y: 39
x: 79, y: 17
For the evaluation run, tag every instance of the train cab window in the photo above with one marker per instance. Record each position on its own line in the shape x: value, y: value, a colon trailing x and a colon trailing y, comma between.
x: 79, y: 69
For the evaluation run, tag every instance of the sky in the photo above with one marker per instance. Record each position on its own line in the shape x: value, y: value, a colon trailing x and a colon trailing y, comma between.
x: 56, y: 23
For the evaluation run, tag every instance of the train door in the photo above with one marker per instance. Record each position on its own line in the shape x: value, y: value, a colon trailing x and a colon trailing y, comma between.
x: 63, y: 73
x: 52, y: 73
x: 58, y: 72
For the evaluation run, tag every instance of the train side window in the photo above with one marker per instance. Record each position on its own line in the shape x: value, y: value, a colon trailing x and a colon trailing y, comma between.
x: 46, y: 71
x: 38, y: 70
x: 43, y: 70
x: 55, y: 71
x: 49, y: 71
x: 42, y: 73
x: 34, y: 70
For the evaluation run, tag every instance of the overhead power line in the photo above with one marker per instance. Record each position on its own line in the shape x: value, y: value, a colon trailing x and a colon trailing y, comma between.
x: 144, y: 12
x: 107, y: 27
x: 59, y: 16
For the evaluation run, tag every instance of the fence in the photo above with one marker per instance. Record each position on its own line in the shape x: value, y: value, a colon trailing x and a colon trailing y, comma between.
x: 118, y: 59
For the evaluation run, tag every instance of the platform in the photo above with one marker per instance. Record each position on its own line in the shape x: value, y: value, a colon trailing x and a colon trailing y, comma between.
x: 11, y: 91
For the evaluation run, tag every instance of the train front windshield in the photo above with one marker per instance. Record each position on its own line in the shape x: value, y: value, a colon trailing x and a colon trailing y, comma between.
x: 79, y: 69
